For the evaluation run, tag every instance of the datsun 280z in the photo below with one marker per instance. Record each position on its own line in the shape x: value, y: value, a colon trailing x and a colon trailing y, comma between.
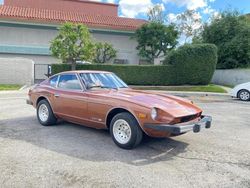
x: 102, y: 100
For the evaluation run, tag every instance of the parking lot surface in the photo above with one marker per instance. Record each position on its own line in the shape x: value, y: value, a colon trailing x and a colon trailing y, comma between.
x: 68, y: 155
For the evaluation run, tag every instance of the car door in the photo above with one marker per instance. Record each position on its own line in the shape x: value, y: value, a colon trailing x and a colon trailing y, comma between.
x: 70, y: 100
x: 99, y: 103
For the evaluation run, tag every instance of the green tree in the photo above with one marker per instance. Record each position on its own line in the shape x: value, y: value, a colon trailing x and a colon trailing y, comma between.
x: 73, y: 43
x: 231, y: 34
x: 156, y: 14
x: 104, y: 52
x: 155, y: 39
x: 189, y: 24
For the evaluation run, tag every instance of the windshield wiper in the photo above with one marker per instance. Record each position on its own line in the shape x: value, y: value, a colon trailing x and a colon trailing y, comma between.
x: 103, y: 87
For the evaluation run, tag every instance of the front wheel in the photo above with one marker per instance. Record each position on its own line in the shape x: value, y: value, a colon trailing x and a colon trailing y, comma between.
x: 45, y: 114
x: 125, y: 131
x: 244, y: 95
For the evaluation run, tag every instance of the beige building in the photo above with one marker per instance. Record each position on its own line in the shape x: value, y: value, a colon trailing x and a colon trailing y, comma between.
x: 28, y: 26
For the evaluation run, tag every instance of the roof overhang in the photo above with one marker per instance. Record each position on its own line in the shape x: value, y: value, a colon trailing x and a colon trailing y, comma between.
x: 45, y: 26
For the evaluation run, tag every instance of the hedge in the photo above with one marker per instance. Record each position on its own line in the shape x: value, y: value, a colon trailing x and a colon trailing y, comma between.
x: 194, y: 63
x: 131, y: 74
x: 187, y: 65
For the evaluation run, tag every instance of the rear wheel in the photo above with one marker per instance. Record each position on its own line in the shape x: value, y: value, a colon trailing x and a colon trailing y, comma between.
x: 45, y: 114
x: 244, y: 95
x: 125, y: 131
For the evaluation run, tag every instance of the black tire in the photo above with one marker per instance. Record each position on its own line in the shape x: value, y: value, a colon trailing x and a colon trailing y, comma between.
x: 136, y: 132
x: 240, y: 96
x: 51, y: 117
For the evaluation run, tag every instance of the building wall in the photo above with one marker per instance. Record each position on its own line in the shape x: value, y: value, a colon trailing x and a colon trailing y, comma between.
x: 26, y: 36
x: 231, y: 76
x: 32, y: 38
x: 16, y: 71
x: 37, y: 59
x: 125, y: 46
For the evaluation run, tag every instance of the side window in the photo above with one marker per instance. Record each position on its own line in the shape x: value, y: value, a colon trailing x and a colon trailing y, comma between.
x: 53, y: 81
x: 69, y: 81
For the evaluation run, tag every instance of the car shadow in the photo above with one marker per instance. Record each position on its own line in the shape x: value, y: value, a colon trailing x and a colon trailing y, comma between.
x: 87, y: 143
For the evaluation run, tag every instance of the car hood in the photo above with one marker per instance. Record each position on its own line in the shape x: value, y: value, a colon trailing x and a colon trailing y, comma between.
x: 175, y: 106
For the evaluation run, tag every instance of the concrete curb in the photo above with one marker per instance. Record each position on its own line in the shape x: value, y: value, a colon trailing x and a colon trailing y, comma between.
x: 188, y: 93
x: 22, y: 88
x: 197, y: 94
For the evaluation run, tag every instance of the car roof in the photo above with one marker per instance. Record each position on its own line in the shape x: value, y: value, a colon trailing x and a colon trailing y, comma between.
x: 83, y: 71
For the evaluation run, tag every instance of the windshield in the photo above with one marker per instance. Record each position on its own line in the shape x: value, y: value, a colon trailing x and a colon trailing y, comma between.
x: 103, y: 80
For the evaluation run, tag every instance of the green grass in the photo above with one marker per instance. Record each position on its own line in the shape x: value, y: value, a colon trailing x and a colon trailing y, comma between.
x: 206, y: 88
x: 230, y: 86
x: 7, y: 87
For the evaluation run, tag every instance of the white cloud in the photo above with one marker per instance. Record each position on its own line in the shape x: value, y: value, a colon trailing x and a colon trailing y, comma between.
x: 110, y: 1
x: 190, y: 4
x: 208, y: 10
x: 162, y: 6
x: 212, y: 13
x: 96, y: 0
x: 132, y: 8
x: 172, y: 18
x: 107, y: 1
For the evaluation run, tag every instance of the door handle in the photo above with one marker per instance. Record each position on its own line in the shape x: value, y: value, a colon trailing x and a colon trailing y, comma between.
x: 56, y: 95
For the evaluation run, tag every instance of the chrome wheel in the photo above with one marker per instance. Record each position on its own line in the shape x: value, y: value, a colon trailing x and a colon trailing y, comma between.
x: 122, y: 131
x: 244, y: 95
x: 43, y: 113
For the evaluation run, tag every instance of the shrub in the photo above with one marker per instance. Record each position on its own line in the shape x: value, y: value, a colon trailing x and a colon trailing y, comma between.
x: 104, y: 52
x: 193, y: 64
x: 190, y: 64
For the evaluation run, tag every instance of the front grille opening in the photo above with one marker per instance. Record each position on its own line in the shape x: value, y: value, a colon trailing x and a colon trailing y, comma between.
x: 188, y: 118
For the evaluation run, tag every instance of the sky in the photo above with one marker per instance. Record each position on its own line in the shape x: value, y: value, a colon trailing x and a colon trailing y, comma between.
x: 204, y: 8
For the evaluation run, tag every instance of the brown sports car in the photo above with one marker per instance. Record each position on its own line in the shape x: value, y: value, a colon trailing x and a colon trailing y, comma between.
x: 101, y: 100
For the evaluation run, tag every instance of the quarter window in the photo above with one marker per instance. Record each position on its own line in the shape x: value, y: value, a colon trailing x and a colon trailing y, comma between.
x: 69, y: 81
x: 53, y: 81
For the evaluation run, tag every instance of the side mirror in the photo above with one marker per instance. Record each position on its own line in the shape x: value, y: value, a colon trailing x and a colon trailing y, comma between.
x: 89, y: 85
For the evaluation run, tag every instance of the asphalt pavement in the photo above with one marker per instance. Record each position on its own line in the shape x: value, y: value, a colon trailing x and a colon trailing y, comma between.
x: 68, y: 155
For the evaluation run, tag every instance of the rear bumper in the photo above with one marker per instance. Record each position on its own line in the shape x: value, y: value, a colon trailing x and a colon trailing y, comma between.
x: 204, y: 123
x: 29, y: 102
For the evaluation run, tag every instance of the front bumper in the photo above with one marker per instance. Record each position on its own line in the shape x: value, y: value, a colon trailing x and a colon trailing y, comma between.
x: 204, y: 123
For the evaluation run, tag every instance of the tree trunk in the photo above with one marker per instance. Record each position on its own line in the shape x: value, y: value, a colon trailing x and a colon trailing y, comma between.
x: 152, y: 61
x: 73, y: 65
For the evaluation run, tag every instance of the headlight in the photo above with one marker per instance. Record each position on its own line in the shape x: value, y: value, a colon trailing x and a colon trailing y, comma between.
x: 154, y: 113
